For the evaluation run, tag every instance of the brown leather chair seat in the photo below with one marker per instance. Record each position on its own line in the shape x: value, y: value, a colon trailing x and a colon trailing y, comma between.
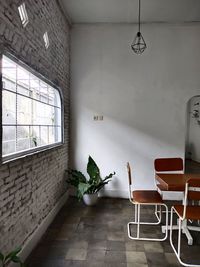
x: 147, y: 196
x: 192, y: 212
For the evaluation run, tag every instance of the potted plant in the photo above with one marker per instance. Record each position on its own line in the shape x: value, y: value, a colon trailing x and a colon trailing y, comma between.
x: 87, y: 189
x: 11, y: 257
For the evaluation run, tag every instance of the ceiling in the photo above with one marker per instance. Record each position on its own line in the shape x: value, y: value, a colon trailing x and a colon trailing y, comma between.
x: 126, y: 11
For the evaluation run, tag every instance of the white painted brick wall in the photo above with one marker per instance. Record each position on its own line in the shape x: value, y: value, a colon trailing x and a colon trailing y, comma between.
x: 31, y: 186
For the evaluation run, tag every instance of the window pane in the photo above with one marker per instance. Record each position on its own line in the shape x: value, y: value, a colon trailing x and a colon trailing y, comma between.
x: 44, y: 135
x: 9, y: 139
x: 23, y: 90
x: 42, y: 114
x: 23, y: 138
x: 57, y: 99
x: 9, y: 107
x: 44, y: 97
x: 24, y: 115
x: 34, y: 87
x: 52, y: 132
x: 51, y: 96
x: 22, y: 77
x: 58, y: 136
x: 9, y: 74
x: 58, y: 116
x: 8, y: 84
x: 35, y: 136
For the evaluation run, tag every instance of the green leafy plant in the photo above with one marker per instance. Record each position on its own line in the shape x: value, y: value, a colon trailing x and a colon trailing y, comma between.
x: 91, y: 185
x: 11, y: 257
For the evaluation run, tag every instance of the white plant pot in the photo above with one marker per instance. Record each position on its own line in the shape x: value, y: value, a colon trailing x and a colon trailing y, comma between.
x: 90, y: 199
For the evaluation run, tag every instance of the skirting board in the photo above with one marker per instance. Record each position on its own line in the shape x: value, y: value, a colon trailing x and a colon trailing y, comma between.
x: 36, y: 236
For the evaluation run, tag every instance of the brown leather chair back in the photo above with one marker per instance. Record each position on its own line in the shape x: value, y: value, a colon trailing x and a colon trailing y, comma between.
x: 168, y: 164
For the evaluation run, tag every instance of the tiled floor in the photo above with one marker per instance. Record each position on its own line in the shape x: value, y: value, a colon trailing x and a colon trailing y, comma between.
x: 97, y: 236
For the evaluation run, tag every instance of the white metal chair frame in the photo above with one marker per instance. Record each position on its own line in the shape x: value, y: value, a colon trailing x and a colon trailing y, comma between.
x: 137, y: 217
x: 182, y: 225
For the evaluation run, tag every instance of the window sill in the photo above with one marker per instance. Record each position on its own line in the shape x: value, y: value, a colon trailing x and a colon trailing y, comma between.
x: 28, y: 153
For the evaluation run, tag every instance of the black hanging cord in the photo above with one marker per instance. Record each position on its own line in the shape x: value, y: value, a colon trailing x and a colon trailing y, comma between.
x: 139, y: 17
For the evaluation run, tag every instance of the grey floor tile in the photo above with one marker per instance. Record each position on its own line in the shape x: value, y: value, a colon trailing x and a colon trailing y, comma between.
x: 136, y: 257
x: 97, y: 244
x: 76, y: 254
x: 153, y: 247
x: 172, y: 259
x: 96, y: 255
x: 156, y: 259
x: 115, y: 256
x: 116, y: 245
x: 116, y: 236
x: 134, y: 245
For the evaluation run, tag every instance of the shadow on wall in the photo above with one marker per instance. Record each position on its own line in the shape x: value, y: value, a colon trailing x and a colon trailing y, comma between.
x: 113, y: 143
x: 192, y: 147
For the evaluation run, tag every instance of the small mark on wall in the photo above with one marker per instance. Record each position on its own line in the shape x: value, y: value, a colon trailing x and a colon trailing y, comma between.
x: 98, y: 118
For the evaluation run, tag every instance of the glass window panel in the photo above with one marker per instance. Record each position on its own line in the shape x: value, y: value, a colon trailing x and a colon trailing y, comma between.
x: 9, y: 107
x: 22, y: 77
x: 42, y: 114
x: 9, y: 139
x: 8, y: 84
x: 23, y: 138
x: 58, y: 136
x: 9, y: 74
x: 9, y: 133
x: 44, y: 97
x: 8, y: 147
x: 51, y: 96
x: 24, y: 108
x: 57, y: 99
x: 57, y: 116
x: 8, y: 63
x: 35, y: 136
x: 44, y: 134
x: 23, y: 90
x: 52, y: 133
x: 34, y: 87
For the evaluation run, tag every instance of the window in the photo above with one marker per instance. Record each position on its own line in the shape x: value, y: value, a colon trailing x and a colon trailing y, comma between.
x: 31, y: 111
x: 23, y: 14
x: 46, y: 40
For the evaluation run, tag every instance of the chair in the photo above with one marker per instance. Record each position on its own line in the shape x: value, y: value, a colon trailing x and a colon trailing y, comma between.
x: 144, y: 197
x: 186, y: 212
x: 164, y: 165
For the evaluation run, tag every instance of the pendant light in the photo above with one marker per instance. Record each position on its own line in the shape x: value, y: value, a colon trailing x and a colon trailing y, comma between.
x: 139, y: 44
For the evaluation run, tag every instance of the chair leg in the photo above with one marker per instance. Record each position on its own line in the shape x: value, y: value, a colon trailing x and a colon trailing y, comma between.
x: 137, y: 222
x: 178, y: 252
x: 136, y: 218
x: 158, y: 213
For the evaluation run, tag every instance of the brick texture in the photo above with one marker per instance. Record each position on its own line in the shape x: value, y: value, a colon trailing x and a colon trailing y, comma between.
x: 30, y: 187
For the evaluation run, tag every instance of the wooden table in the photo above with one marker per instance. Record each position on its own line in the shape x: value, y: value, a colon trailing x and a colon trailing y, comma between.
x: 176, y: 182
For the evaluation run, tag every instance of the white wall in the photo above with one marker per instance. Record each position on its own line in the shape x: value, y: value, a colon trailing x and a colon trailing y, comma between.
x: 142, y: 97
x: 193, y: 141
